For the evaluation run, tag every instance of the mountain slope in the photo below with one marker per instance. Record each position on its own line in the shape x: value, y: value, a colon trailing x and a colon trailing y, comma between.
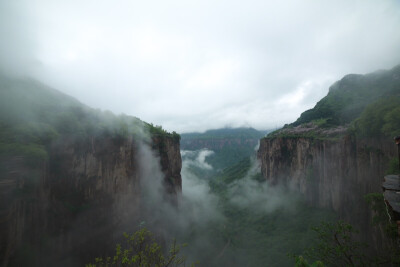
x: 348, y: 97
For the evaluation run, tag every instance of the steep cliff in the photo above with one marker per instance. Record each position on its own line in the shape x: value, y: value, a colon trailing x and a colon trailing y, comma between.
x: 338, y: 152
x: 67, y: 209
x: 66, y: 197
x: 330, y: 173
x: 334, y: 174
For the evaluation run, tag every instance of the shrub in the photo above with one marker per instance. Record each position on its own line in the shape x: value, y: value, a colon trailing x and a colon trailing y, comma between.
x: 141, y: 249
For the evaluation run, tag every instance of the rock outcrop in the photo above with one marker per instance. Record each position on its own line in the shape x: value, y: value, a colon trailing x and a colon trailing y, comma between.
x: 391, y: 188
x: 67, y: 209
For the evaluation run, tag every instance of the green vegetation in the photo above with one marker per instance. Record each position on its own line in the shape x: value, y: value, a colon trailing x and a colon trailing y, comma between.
x: 301, y: 262
x: 348, y: 97
x: 159, y: 131
x: 377, y: 203
x: 33, y: 115
x: 225, y: 133
x: 337, y: 246
x: 393, y: 166
x: 259, y: 225
x: 231, y: 145
x: 142, y: 250
x: 313, y: 134
x: 266, y: 238
x: 233, y: 173
x: 381, y: 118
x: 337, y: 243
x: 229, y: 156
x: 369, y: 104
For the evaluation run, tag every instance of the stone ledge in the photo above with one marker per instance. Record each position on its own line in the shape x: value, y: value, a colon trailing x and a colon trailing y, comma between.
x: 391, y: 194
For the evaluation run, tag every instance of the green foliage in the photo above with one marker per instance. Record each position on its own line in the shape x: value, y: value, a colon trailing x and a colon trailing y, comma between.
x: 256, y: 230
x: 229, y: 156
x: 348, y: 98
x: 225, y: 133
x: 32, y: 154
x: 323, y: 122
x: 233, y: 173
x: 156, y: 130
x: 391, y: 127
x: 337, y: 247
x: 159, y: 131
x: 301, y: 262
x: 256, y: 237
x: 381, y: 118
x: 382, y: 214
x: 393, y: 166
x: 32, y: 116
x: 176, y: 136
x: 142, y: 250
x: 231, y: 145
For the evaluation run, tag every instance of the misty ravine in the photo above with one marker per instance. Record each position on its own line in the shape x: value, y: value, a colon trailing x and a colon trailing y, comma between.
x: 242, y: 221
x: 221, y: 133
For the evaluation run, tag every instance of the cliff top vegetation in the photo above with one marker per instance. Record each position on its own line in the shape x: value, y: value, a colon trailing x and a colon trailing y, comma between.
x: 32, y: 115
x: 368, y: 105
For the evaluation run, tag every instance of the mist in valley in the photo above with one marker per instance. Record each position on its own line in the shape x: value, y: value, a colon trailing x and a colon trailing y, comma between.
x: 141, y: 85
x: 242, y: 223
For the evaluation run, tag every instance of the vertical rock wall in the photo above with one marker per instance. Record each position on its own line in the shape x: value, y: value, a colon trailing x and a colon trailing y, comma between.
x: 66, y: 210
x: 334, y: 174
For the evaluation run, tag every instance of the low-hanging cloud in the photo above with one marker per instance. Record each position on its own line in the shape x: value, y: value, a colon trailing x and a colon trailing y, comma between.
x: 248, y: 193
x: 197, y: 159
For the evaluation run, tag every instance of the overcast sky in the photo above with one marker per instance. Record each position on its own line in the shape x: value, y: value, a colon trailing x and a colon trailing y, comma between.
x: 201, y: 64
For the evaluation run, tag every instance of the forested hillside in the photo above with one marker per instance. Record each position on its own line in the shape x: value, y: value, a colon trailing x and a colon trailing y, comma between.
x: 348, y: 97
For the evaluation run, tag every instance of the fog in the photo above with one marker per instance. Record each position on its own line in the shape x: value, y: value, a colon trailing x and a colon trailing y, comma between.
x: 104, y: 178
x: 201, y: 220
x: 192, y: 66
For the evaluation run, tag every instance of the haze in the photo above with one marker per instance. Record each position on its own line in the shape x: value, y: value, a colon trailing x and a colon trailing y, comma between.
x: 196, y: 65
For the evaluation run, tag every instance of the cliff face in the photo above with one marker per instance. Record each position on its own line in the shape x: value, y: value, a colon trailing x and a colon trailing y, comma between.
x: 330, y: 173
x: 171, y: 163
x: 74, y: 202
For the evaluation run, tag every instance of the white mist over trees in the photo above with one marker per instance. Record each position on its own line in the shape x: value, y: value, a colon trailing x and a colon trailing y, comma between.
x: 222, y: 224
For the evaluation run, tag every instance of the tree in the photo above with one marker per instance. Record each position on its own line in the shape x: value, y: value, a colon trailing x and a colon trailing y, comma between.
x: 337, y: 246
x: 142, y: 250
x: 301, y: 262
